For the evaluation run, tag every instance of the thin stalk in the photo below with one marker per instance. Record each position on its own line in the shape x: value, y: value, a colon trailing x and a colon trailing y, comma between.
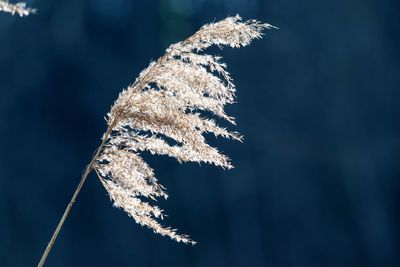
x: 64, y: 217
x: 85, y: 175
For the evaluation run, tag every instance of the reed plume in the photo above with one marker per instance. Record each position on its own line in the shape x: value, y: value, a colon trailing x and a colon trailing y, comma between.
x: 19, y: 8
x: 167, y: 111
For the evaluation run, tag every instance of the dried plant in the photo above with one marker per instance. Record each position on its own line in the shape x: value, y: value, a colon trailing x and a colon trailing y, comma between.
x: 19, y: 8
x: 165, y: 112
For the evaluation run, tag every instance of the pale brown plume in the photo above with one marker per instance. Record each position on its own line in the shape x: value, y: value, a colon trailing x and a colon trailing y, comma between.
x: 165, y: 112
x: 19, y: 8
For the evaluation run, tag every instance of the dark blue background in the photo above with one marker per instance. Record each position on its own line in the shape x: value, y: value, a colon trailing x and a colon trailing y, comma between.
x: 316, y: 181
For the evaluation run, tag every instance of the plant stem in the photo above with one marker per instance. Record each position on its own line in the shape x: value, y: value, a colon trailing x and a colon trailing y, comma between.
x: 65, y: 215
x: 85, y: 175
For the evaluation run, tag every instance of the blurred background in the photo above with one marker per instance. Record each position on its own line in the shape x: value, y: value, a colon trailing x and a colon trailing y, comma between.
x: 316, y: 181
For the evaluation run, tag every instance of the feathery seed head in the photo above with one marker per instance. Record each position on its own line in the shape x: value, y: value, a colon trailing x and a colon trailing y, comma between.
x: 163, y: 112
x: 19, y: 8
